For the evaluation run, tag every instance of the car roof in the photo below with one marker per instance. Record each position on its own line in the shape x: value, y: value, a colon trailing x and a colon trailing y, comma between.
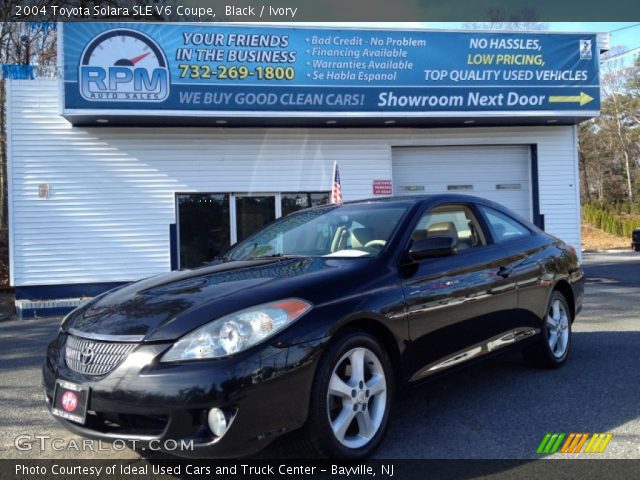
x: 433, y: 198
x: 438, y: 199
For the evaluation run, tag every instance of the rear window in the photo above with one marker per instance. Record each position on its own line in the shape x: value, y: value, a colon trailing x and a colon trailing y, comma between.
x: 503, y: 227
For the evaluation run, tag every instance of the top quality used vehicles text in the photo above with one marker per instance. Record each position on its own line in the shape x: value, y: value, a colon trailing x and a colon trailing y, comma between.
x: 244, y: 469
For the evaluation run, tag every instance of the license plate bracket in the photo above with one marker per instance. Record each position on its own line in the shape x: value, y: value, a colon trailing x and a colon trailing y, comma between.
x: 70, y: 401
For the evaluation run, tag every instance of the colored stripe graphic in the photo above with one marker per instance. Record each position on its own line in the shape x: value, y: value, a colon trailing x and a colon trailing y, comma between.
x: 581, y: 442
x: 577, y: 438
x: 608, y: 438
x: 544, y: 441
x: 550, y: 443
x: 598, y: 443
x: 568, y: 443
x: 574, y: 443
x: 556, y: 445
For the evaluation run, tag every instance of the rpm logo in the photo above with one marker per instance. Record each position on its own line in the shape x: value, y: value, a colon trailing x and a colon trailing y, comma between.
x: 69, y: 401
x: 123, y: 65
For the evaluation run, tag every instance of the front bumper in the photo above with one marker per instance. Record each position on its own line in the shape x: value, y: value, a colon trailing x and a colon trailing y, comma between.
x: 265, y: 391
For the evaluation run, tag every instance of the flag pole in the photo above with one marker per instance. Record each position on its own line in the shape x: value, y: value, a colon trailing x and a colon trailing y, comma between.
x: 333, y: 174
x: 333, y: 179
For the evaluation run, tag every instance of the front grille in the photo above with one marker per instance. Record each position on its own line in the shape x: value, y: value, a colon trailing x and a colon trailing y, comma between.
x: 91, y: 357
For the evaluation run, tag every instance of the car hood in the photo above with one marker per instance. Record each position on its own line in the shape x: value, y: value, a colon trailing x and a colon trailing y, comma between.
x: 167, y: 306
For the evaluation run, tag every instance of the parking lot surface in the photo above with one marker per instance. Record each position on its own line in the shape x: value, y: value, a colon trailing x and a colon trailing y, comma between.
x: 499, y: 409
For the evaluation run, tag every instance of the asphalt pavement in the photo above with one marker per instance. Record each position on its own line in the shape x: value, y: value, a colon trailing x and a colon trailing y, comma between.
x: 499, y: 409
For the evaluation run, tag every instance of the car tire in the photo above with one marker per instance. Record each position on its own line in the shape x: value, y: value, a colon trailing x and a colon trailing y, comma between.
x: 637, y: 248
x: 349, y: 410
x: 552, y: 350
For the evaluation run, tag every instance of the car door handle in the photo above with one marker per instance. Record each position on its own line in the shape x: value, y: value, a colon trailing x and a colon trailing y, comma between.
x: 505, y: 272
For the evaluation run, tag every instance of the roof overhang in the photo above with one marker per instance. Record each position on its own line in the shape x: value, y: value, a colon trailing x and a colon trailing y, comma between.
x: 262, y: 119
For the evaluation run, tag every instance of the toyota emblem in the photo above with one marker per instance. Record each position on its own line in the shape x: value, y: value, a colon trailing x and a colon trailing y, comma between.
x: 86, y: 356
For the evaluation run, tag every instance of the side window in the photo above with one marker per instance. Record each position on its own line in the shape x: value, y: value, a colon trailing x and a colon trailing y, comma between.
x: 455, y: 221
x: 502, y: 226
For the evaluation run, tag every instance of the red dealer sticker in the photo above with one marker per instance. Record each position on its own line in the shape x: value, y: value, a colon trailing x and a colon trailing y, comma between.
x: 69, y: 401
x: 382, y: 187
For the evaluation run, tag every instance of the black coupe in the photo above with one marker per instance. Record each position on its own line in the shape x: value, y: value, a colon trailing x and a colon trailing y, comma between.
x: 312, y: 323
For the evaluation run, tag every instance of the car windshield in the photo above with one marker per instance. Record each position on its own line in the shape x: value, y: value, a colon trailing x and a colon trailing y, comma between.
x: 360, y: 230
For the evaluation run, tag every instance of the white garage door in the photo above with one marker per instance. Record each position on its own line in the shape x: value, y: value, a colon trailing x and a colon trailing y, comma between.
x: 499, y: 173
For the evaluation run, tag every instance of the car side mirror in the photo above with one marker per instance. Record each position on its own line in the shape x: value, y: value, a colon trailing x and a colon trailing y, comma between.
x: 431, y: 247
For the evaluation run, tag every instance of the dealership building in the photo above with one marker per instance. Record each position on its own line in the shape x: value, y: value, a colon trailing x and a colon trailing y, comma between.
x: 160, y: 145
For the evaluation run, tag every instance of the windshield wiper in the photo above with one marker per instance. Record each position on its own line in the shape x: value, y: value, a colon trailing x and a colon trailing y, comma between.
x: 216, y: 260
x: 274, y: 255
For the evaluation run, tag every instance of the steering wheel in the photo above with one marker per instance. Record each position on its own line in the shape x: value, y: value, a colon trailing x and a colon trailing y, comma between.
x: 375, y: 244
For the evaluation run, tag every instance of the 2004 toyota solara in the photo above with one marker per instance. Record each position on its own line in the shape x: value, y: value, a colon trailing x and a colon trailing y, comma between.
x: 313, y: 323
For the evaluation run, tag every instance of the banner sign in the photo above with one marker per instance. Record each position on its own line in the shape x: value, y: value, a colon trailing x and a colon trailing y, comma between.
x: 191, y: 69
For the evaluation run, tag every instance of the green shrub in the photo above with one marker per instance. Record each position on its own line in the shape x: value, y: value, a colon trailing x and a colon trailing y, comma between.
x: 598, y: 217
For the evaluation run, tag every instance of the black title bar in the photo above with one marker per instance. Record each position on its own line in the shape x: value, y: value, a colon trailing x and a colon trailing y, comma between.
x: 509, y: 12
x: 316, y: 470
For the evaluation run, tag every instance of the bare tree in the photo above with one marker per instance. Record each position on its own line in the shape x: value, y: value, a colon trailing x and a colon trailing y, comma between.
x: 620, y: 112
x: 498, y: 18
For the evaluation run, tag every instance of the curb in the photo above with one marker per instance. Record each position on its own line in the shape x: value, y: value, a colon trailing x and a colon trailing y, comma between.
x: 611, y: 250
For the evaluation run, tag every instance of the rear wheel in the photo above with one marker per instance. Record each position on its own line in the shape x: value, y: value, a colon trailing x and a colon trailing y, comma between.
x: 553, y: 348
x: 351, y: 399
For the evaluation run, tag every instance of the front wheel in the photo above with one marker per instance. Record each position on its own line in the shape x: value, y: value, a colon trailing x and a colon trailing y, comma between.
x: 553, y: 348
x: 351, y: 399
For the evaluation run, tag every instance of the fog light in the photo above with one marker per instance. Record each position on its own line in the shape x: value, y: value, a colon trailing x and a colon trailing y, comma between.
x: 217, y: 422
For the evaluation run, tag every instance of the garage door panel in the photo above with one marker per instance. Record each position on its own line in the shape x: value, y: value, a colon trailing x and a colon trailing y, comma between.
x: 499, y: 172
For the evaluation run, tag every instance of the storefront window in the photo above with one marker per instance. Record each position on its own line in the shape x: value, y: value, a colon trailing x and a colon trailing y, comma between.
x: 204, y: 219
x: 203, y: 225
x: 292, y: 202
x: 253, y: 212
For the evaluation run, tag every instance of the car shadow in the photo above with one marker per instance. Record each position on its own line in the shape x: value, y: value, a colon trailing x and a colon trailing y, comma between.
x: 502, y: 408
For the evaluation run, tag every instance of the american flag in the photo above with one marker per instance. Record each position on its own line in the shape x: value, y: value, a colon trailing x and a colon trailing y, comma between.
x: 336, y: 189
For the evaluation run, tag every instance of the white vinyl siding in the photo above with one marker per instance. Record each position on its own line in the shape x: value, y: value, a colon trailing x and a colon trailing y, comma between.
x: 481, y: 169
x: 113, y: 189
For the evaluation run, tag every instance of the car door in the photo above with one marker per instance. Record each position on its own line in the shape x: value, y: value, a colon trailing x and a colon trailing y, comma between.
x: 458, y: 303
x: 526, y: 253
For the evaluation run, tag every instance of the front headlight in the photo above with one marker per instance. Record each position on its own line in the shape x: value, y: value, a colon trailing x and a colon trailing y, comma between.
x: 238, y: 331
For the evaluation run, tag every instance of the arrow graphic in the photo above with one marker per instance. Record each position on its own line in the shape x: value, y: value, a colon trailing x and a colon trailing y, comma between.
x: 582, y: 99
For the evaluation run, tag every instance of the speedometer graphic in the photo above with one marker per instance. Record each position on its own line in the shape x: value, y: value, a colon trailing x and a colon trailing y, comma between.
x: 123, y: 65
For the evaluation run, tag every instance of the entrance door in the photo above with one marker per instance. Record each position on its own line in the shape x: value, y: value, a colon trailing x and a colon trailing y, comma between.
x: 203, y: 227
x: 252, y: 212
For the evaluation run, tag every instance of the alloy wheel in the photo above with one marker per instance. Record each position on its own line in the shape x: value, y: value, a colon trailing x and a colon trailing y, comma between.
x: 558, y: 328
x: 357, y: 397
